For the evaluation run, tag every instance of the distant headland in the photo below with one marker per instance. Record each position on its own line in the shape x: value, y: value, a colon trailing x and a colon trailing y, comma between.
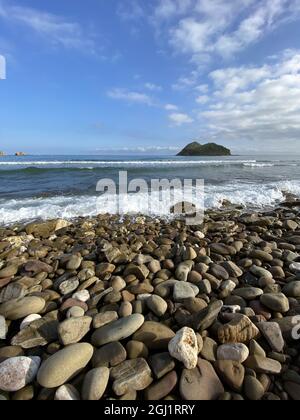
x: 16, y: 154
x: 209, y: 149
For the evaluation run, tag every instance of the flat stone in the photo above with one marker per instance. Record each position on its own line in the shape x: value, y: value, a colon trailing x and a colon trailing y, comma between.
x: 68, y: 286
x: 209, y: 350
x: 232, y: 269
x: 201, y: 383
x: 261, y: 272
x: 38, y: 333
x: 248, y: 293
x: 184, y: 347
x: 157, y: 305
x: 131, y: 374
x: 253, y: 389
x: 205, y: 318
x: 293, y: 389
x: 155, y: 335
x: 36, y: 267
x: 234, y: 352
x: 117, y: 330
x: 20, y: 308
x: 104, y: 318
x: 239, y: 330
x: 272, y: 333
x: 162, y: 388
x: 277, y: 302
x: 3, y: 328
x: 95, y: 383
x: 110, y: 355
x: 233, y: 373
x: 67, y: 393
x: 63, y: 365
x: 292, y: 289
x: 17, y: 372
x: 161, y: 364
x: 182, y: 291
x: 9, y: 271
x: 12, y: 291
x: 219, y: 272
x: 263, y: 365
x: 28, y: 320
x: 72, y: 330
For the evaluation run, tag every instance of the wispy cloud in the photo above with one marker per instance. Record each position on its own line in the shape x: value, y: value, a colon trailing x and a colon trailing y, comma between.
x: 130, y: 96
x: 153, y: 87
x: 171, y: 107
x: 52, y: 28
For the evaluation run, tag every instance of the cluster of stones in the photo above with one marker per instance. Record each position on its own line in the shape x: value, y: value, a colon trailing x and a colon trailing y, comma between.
x: 152, y: 309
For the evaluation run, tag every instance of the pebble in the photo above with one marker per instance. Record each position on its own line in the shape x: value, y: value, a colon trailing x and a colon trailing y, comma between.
x: 262, y: 364
x: 248, y: 293
x: 209, y: 350
x: 205, y: 318
x: 239, y: 330
x: 201, y: 383
x: 272, y: 333
x: 17, y: 372
x: 9, y: 271
x: 233, y: 373
x: 161, y: 364
x: 254, y: 390
x: 292, y: 289
x: 3, y: 328
x: 111, y: 354
x: 20, y: 308
x: 157, y: 305
x: 117, y: 330
x: 131, y: 375
x: 67, y: 393
x: 95, y: 383
x: 277, y: 302
x: 136, y: 350
x: 154, y: 335
x: 125, y: 309
x: 104, y: 318
x: 183, y: 290
x: 234, y: 352
x: 183, y: 270
x: 82, y: 296
x: 28, y: 320
x: 184, y: 347
x: 60, y: 368
x: 162, y: 388
x: 75, y: 312
x: 72, y: 330
x: 74, y: 262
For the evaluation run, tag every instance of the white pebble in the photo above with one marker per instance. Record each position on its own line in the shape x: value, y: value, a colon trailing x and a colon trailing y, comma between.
x: 28, y: 320
x: 17, y: 372
x: 184, y: 347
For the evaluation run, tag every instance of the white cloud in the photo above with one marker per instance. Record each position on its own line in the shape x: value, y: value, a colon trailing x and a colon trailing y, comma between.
x: 202, y: 100
x: 171, y: 107
x: 130, y: 10
x: 153, y: 87
x: 51, y: 27
x: 257, y: 103
x: 178, y: 119
x: 130, y: 96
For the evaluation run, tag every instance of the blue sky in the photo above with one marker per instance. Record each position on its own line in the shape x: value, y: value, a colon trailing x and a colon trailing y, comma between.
x: 135, y: 75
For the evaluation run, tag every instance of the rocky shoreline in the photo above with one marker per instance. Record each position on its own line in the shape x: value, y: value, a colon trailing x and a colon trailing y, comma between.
x: 150, y: 309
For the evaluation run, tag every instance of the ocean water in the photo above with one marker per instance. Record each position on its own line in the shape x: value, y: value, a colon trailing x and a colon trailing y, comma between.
x: 41, y: 187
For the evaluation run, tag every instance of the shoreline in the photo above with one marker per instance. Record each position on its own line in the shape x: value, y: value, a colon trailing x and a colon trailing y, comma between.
x: 142, y: 306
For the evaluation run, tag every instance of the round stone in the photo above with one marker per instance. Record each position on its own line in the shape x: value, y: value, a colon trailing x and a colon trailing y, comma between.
x: 234, y: 352
x: 74, y: 262
x: 17, y: 372
x: 95, y: 383
x: 125, y: 309
x: 117, y: 330
x: 67, y: 393
x: 21, y: 308
x: 75, y: 312
x: 63, y: 365
x: 157, y: 305
x: 82, y: 296
x: 277, y: 302
x: 292, y: 289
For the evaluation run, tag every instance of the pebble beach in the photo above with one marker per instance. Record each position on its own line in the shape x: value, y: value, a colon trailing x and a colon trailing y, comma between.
x: 152, y: 309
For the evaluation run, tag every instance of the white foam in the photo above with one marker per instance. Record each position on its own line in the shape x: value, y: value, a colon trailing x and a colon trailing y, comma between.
x: 129, y: 163
x: 259, y: 165
x: 249, y: 195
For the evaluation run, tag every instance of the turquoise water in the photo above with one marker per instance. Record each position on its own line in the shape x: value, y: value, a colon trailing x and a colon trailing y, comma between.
x: 65, y: 186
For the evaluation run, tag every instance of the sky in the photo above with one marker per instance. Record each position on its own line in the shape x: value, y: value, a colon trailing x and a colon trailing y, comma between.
x: 149, y: 76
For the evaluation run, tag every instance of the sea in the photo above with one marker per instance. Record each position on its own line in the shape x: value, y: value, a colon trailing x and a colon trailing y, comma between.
x: 47, y: 187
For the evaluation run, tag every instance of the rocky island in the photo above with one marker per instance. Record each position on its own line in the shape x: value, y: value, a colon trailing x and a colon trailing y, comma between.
x: 209, y: 149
